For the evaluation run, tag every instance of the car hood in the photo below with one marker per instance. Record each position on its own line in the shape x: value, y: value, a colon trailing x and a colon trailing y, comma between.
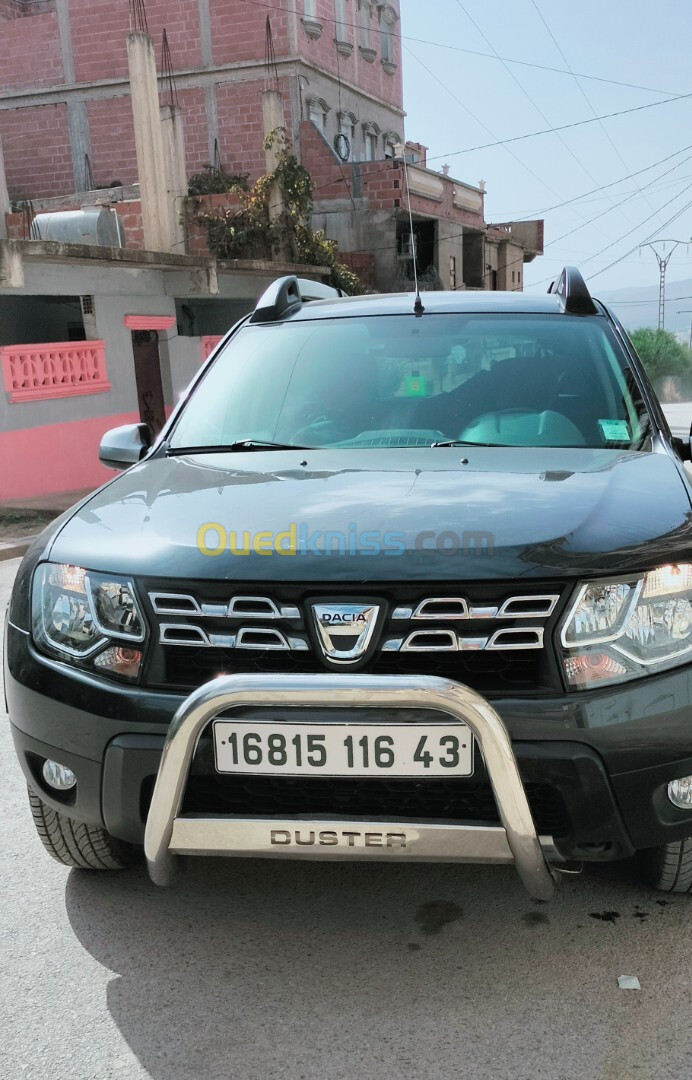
x: 434, y: 514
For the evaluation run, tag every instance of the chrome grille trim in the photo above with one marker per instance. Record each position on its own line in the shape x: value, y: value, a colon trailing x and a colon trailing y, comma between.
x: 186, y: 634
x: 183, y: 634
x: 250, y: 623
x: 499, y: 640
x: 238, y: 607
x: 549, y: 603
x: 447, y: 639
x: 260, y: 637
x: 527, y: 607
x: 174, y: 604
x: 461, y: 612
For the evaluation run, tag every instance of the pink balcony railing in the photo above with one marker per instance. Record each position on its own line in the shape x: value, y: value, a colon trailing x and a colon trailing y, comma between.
x: 62, y: 369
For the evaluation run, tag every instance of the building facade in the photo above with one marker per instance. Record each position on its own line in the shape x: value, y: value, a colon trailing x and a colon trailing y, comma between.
x: 89, y: 342
x: 66, y: 123
x: 65, y: 111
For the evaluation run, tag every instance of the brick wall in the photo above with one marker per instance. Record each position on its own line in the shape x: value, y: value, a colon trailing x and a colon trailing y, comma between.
x: 362, y: 264
x: 30, y: 56
x: 112, y: 140
x: 30, y: 52
x: 17, y: 9
x: 240, y: 127
x: 37, y: 137
x: 378, y: 181
x: 370, y: 77
x: 99, y: 33
x: 238, y: 31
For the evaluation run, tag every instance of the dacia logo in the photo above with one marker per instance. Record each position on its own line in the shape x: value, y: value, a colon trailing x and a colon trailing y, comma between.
x: 330, y: 618
x: 344, y: 631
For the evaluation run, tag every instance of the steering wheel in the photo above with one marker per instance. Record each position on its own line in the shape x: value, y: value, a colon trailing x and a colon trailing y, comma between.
x: 319, y: 433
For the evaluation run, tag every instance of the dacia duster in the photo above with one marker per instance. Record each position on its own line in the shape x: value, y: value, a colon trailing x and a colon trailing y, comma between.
x: 398, y: 580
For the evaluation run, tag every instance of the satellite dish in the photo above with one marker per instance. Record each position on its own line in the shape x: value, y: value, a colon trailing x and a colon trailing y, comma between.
x: 342, y: 145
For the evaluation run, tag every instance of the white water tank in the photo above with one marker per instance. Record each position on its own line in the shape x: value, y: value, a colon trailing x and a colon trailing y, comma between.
x: 93, y: 225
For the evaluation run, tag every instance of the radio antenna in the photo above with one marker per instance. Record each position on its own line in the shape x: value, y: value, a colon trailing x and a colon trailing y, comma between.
x: 418, y: 309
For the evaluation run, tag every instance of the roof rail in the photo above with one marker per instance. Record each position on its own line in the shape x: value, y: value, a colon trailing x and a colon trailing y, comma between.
x: 287, y: 294
x: 572, y: 293
x: 315, y: 290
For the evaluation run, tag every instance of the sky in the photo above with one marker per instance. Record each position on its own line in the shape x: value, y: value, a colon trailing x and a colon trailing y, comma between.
x: 456, y: 101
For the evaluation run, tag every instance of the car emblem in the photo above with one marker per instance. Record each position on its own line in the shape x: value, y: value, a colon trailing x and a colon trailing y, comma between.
x: 344, y: 631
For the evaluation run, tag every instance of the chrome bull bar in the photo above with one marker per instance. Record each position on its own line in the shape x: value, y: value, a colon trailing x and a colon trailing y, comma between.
x: 169, y: 835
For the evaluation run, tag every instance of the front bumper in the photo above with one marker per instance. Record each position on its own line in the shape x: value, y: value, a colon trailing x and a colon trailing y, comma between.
x: 607, y: 757
x: 168, y: 833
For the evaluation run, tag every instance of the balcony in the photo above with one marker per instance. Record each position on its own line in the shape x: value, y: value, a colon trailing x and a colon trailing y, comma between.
x: 64, y: 369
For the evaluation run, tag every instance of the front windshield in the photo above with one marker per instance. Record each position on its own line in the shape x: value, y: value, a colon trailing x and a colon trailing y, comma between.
x: 398, y: 381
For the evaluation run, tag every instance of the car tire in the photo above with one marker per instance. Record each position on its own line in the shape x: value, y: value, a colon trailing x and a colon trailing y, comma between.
x: 72, y: 843
x: 669, y: 867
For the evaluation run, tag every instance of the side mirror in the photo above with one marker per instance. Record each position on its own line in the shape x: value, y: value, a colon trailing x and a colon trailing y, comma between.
x: 124, y: 446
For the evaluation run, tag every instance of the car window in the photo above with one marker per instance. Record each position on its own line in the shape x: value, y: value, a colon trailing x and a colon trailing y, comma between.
x: 516, y: 380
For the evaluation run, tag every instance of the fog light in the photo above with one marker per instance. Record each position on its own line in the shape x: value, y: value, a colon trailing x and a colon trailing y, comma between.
x: 58, y: 776
x: 680, y: 792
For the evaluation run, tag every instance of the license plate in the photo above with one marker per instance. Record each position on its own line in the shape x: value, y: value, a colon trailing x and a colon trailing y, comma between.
x: 268, y: 748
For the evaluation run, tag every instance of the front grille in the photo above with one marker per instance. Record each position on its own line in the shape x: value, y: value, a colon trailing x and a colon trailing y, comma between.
x: 366, y: 797
x: 492, y: 673
x: 491, y: 636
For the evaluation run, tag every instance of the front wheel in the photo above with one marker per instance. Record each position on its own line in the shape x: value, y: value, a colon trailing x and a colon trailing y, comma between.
x: 73, y: 843
x: 669, y: 867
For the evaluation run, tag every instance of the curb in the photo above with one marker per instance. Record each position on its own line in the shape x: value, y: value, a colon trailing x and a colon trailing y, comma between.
x: 14, y: 549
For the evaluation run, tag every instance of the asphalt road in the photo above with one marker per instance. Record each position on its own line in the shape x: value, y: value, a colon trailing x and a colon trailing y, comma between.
x: 679, y: 417
x: 266, y: 971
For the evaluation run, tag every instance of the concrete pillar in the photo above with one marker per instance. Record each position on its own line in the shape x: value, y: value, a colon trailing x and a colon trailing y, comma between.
x: 151, y: 163
x: 176, y: 169
x: 273, y: 121
x: 212, y: 119
x: 11, y: 265
x: 5, y: 204
x: 80, y: 141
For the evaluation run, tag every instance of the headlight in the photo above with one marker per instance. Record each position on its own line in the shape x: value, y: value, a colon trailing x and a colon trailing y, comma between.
x: 620, y: 630
x: 78, y: 613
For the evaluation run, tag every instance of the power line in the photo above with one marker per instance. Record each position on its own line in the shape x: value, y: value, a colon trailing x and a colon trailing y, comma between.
x: 470, y: 52
x: 627, y: 199
x: 473, y: 116
x: 651, y: 235
x: 560, y: 127
x: 604, y: 187
x: 526, y: 94
x: 581, y: 89
x: 642, y: 303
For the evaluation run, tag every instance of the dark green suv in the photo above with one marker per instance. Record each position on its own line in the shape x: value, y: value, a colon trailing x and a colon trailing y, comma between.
x: 402, y: 578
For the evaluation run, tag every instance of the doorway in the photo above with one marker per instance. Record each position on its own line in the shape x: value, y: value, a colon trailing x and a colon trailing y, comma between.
x: 152, y: 409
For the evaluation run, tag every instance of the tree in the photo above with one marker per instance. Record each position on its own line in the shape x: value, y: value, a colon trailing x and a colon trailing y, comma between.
x: 661, y: 353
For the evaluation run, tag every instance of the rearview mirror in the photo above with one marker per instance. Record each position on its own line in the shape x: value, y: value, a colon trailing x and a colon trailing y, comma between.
x: 124, y: 446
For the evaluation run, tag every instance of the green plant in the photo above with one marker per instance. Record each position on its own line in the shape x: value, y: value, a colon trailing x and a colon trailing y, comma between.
x: 661, y: 353
x: 273, y: 221
x: 215, y: 181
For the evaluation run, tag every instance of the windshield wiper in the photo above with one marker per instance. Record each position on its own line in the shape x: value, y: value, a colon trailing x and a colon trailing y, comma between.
x: 464, y: 442
x: 236, y: 447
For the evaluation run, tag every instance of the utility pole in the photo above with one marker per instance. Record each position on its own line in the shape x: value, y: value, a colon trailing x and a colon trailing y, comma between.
x: 687, y: 311
x: 663, y: 260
